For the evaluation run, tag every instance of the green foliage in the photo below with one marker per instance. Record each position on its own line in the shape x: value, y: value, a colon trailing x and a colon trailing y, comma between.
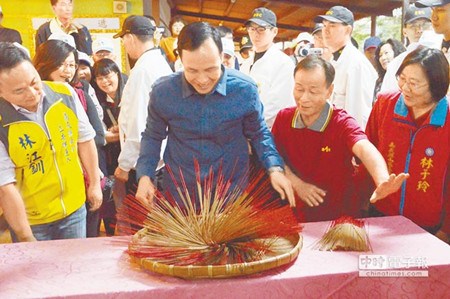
x: 387, y: 27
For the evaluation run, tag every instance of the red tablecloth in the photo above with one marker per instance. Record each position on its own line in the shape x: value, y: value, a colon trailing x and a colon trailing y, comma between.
x: 98, y: 267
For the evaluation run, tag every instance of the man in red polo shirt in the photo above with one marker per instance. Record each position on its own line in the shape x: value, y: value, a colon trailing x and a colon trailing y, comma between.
x: 318, y: 142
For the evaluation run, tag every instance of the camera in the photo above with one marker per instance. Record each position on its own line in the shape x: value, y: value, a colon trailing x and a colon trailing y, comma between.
x: 308, y: 50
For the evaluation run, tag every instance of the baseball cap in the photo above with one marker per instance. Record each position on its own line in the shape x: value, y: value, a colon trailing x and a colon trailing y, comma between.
x: 413, y: 13
x: 245, y: 43
x: 317, y: 28
x: 372, y: 42
x: 263, y: 17
x: 67, y: 38
x: 228, y: 46
x: 84, y: 57
x: 303, y: 37
x: 337, y: 14
x: 431, y: 3
x: 103, y: 44
x: 138, y: 25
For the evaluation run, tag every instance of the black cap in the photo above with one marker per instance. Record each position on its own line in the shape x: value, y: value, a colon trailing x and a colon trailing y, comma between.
x: 413, y: 13
x: 318, y: 27
x: 337, y: 14
x: 138, y: 25
x: 431, y: 3
x: 263, y: 17
x: 245, y: 43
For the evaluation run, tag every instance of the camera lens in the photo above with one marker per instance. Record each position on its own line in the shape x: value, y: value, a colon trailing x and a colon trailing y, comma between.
x: 304, y: 52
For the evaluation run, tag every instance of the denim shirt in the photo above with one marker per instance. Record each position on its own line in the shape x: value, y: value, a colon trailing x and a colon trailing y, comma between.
x: 212, y: 129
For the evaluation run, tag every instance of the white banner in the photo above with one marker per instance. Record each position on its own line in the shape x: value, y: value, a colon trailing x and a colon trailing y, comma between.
x: 90, y: 23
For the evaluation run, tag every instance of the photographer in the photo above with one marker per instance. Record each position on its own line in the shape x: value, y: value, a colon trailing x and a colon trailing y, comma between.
x: 303, y: 42
x: 307, y: 44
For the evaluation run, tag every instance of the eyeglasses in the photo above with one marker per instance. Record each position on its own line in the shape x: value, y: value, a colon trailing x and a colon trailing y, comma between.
x: 413, y: 86
x: 105, y: 78
x: 421, y: 25
x: 258, y: 29
x: 68, y: 66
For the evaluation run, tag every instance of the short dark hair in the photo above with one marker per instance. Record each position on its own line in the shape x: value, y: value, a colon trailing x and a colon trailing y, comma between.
x: 397, y: 47
x: 193, y: 35
x: 50, y: 55
x: 176, y: 19
x: 104, y: 67
x: 11, y: 56
x: 435, y: 66
x: 224, y: 30
x: 144, y: 38
x: 313, y: 61
x: 54, y: 2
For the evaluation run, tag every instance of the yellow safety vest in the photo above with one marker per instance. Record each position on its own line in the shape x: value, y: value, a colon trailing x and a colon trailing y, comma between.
x: 48, y: 171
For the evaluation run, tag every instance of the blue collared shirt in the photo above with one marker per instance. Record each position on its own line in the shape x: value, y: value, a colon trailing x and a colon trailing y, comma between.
x: 212, y: 129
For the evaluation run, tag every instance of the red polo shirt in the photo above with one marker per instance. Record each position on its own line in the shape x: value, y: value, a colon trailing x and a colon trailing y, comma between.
x: 321, y: 155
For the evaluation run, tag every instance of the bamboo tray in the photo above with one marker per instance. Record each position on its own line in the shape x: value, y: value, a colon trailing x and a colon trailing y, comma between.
x: 283, y: 251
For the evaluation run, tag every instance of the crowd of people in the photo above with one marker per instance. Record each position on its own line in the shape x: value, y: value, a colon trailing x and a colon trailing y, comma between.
x: 338, y: 131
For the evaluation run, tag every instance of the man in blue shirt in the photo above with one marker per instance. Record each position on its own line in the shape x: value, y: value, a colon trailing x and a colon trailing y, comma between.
x: 208, y: 114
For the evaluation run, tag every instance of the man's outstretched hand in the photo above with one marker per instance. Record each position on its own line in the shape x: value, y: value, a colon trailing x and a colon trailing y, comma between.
x: 393, y: 183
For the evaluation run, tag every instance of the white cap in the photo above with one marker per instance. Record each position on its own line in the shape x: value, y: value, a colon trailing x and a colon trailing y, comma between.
x: 303, y: 36
x: 228, y: 46
x: 103, y: 44
x: 83, y: 56
x: 63, y: 37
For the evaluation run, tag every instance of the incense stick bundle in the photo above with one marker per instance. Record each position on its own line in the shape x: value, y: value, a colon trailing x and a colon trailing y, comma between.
x: 229, y: 225
x: 345, y: 234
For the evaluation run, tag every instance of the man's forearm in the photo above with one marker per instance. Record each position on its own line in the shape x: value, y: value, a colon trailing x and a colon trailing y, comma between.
x: 14, y: 210
x: 88, y: 156
x: 372, y: 160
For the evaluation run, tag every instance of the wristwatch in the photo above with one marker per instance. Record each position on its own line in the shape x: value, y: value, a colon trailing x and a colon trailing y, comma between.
x: 275, y: 169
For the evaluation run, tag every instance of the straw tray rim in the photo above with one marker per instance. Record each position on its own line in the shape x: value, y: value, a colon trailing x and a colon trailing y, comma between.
x: 228, y: 270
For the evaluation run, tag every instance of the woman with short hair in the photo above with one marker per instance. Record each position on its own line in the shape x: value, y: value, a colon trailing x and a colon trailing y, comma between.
x: 411, y: 129
x: 384, y: 54
x: 108, y: 83
x: 57, y: 61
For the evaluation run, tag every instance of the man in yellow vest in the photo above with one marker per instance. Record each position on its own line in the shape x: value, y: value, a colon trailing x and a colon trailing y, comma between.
x: 44, y: 135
